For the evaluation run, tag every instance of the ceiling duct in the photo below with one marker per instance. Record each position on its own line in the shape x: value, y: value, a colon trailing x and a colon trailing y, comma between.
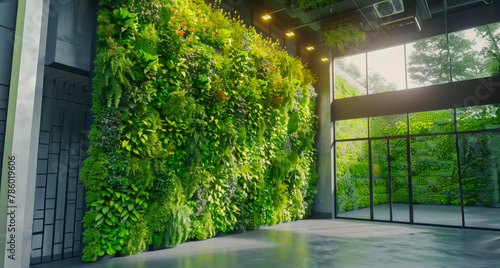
x: 404, y: 22
x: 388, y: 8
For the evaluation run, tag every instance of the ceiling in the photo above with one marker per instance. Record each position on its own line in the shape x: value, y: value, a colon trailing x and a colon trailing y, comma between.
x: 364, y: 11
x: 361, y: 11
x: 420, y: 18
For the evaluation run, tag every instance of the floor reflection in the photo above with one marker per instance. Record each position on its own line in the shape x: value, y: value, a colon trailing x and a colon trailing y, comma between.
x: 323, y: 243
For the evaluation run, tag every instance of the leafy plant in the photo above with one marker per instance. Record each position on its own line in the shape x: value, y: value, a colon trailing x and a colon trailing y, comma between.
x: 137, y: 239
x: 94, y: 172
x: 339, y: 37
x: 139, y: 133
x: 115, y: 212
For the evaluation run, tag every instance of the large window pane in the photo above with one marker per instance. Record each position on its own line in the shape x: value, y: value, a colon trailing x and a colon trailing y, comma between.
x: 381, y: 186
x: 478, y: 117
x: 432, y: 122
x: 386, y: 70
x: 351, y: 129
x: 352, y: 180
x: 474, y: 52
x: 399, y: 180
x: 350, y: 76
x: 428, y: 62
x: 480, y: 162
x: 436, y: 191
x: 388, y: 125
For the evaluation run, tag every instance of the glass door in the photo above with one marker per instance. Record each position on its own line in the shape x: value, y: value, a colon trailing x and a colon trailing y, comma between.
x: 390, y: 180
x: 435, y: 180
x: 381, y: 180
x: 352, y: 180
x: 398, y: 171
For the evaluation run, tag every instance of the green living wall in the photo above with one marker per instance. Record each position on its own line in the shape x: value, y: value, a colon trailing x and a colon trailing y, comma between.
x: 200, y: 126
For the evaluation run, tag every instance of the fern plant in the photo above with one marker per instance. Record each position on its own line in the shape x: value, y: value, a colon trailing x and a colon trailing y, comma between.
x: 340, y: 37
x: 178, y: 225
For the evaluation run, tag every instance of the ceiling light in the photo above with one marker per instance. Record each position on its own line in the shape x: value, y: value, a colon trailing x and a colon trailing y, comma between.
x: 267, y: 16
x: 290, y: 33
x: 324, y: 59
x: 310, y: 48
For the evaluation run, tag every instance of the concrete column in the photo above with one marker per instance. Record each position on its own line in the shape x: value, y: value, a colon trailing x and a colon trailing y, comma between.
x: 322, y: 205
x: 17, y: 190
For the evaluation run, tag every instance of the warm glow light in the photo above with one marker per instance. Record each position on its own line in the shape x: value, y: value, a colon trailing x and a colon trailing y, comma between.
x: 266, y: 17
x: 324, y: 59
x: 310, y: 48
x: 290, y: 33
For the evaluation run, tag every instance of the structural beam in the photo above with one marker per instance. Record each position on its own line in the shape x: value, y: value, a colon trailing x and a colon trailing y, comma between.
x: 17, y: 190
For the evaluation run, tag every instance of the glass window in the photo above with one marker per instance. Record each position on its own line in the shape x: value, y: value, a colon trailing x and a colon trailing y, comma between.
x: 435, y: 185
x: 352, y: 182
x: 479, y: 160
x: 478, y: 117
x: 351, y: 129
x: 399, y: 180
x: 432, y: 122
x: 474, y: 52
x: 386, y: 70
x: 388, y: 125
x: 427, y: 61
x: 350, y: 76
x: 381, y: 184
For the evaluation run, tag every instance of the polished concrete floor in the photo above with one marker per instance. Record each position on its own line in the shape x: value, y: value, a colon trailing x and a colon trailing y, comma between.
x: 323, y: 243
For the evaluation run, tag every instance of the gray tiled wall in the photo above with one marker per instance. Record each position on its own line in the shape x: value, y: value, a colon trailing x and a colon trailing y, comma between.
x: 59, y: 193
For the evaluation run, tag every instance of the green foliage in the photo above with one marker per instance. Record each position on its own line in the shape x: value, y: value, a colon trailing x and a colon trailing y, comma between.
x: 347, y: 196
x: 156, y: 217
x: 137, y: 239
x: 142, y: 171
x: 201, y: 126
x: 339, y: 37
x: 91, y: 237
x: 343, y: 89
x: 94, y: 172
x: 119, y: 171
x: 204, y: 227
x: 127, y: 23
x: 116, y: 211
x: 113, y: 75
x: 139, y: 133
x: 313, y: 3
x: 178, y: 225
x: 147, y: 39
x: 478, y: 178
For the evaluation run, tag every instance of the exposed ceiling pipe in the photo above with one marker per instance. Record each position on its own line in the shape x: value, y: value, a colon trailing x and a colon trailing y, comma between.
x: 363, y: 14
x: 313, y: 19
x: 456, y: 4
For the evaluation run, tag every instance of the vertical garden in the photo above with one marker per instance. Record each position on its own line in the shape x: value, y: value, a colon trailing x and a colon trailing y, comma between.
x: 200, y: 126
